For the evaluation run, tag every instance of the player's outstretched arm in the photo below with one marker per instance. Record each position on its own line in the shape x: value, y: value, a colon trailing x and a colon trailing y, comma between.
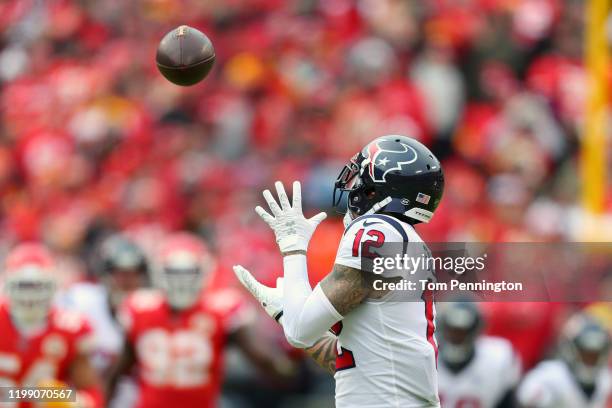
x: 271, y: 299
x: 308, y: 313
x: 346, y: 288
x: 323, y: 351
x: 86, y: 381
x: 275, y: 364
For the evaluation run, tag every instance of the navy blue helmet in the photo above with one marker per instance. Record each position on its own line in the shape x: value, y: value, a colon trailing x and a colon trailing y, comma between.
x: 585, y: 346
x: 118, y: 253
x: 397, y: 169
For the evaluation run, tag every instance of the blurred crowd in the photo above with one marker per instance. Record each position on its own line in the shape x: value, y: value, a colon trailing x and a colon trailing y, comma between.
x: 93, y: 140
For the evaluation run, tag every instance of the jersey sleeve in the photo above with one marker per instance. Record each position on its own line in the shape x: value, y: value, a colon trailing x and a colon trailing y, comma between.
x: 367, y: 238
x: 77, y: 331
x: 85, y: 341
x: 136, y: 308
x: 233, y: 311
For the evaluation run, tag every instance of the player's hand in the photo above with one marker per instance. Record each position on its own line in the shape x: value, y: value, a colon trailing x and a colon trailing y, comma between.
x: 270, y: 298
x: 293, y: 231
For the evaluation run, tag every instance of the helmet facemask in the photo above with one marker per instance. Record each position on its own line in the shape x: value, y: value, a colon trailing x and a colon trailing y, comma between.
x: 122, y: 268
x: 587, y: 354
x: 120, y: 283
x: 182, y: 275
x: 360, y: 197
x: 460, y: 326
x: 30, y: 293
x: 347, y: 180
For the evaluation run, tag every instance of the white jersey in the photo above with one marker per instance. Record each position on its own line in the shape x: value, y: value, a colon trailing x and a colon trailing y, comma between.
x: 494, y: 370
x: 386, y: 347
x: 551, y: 385
x: 92, y: 300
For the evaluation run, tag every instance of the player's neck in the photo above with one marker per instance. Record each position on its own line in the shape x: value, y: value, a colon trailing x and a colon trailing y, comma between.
x: 460, y: 366
x: 588, y: 389
x: 177, y: 312
x: 29, y: 330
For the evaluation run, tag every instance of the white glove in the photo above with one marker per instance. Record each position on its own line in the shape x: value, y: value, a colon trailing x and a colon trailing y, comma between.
x: 292, y: 230
x: 270, y: 298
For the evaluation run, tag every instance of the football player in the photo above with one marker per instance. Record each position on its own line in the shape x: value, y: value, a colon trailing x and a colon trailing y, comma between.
x: 579, y: 378
x: 474, y: 371
x: 121, y: 268
x: 383, y: 352
x: 42, y: 345
x: 176, y: 333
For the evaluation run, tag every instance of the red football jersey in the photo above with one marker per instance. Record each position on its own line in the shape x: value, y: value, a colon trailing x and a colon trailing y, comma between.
x: 180, y: 354
x: 42, y: 357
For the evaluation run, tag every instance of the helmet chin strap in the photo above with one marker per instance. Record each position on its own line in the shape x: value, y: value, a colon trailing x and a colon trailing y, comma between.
x: 378, y: 206
x: 375, y: 208
x: 455, y: 353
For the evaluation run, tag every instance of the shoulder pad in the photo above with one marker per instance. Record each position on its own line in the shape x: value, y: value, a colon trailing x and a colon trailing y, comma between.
x: 68, y: 320
x: 145, y: 300
x: 223, y: 300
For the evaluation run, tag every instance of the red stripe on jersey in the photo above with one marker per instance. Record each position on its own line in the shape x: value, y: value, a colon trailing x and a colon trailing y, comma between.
x: 429, y: 315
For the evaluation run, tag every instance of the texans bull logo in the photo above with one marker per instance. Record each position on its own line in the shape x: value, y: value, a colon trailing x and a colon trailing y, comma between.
x: 384, y: 157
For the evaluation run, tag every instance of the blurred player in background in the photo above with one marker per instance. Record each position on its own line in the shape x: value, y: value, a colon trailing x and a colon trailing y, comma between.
x: 121, y: 267
x: 579, y: 377
x: 176, y: 333
x: 383, y: 351
x: 473, y: 371
x: 42, y: 345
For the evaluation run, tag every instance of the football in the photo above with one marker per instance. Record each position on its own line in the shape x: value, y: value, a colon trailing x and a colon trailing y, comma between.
x: 185, y: 56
